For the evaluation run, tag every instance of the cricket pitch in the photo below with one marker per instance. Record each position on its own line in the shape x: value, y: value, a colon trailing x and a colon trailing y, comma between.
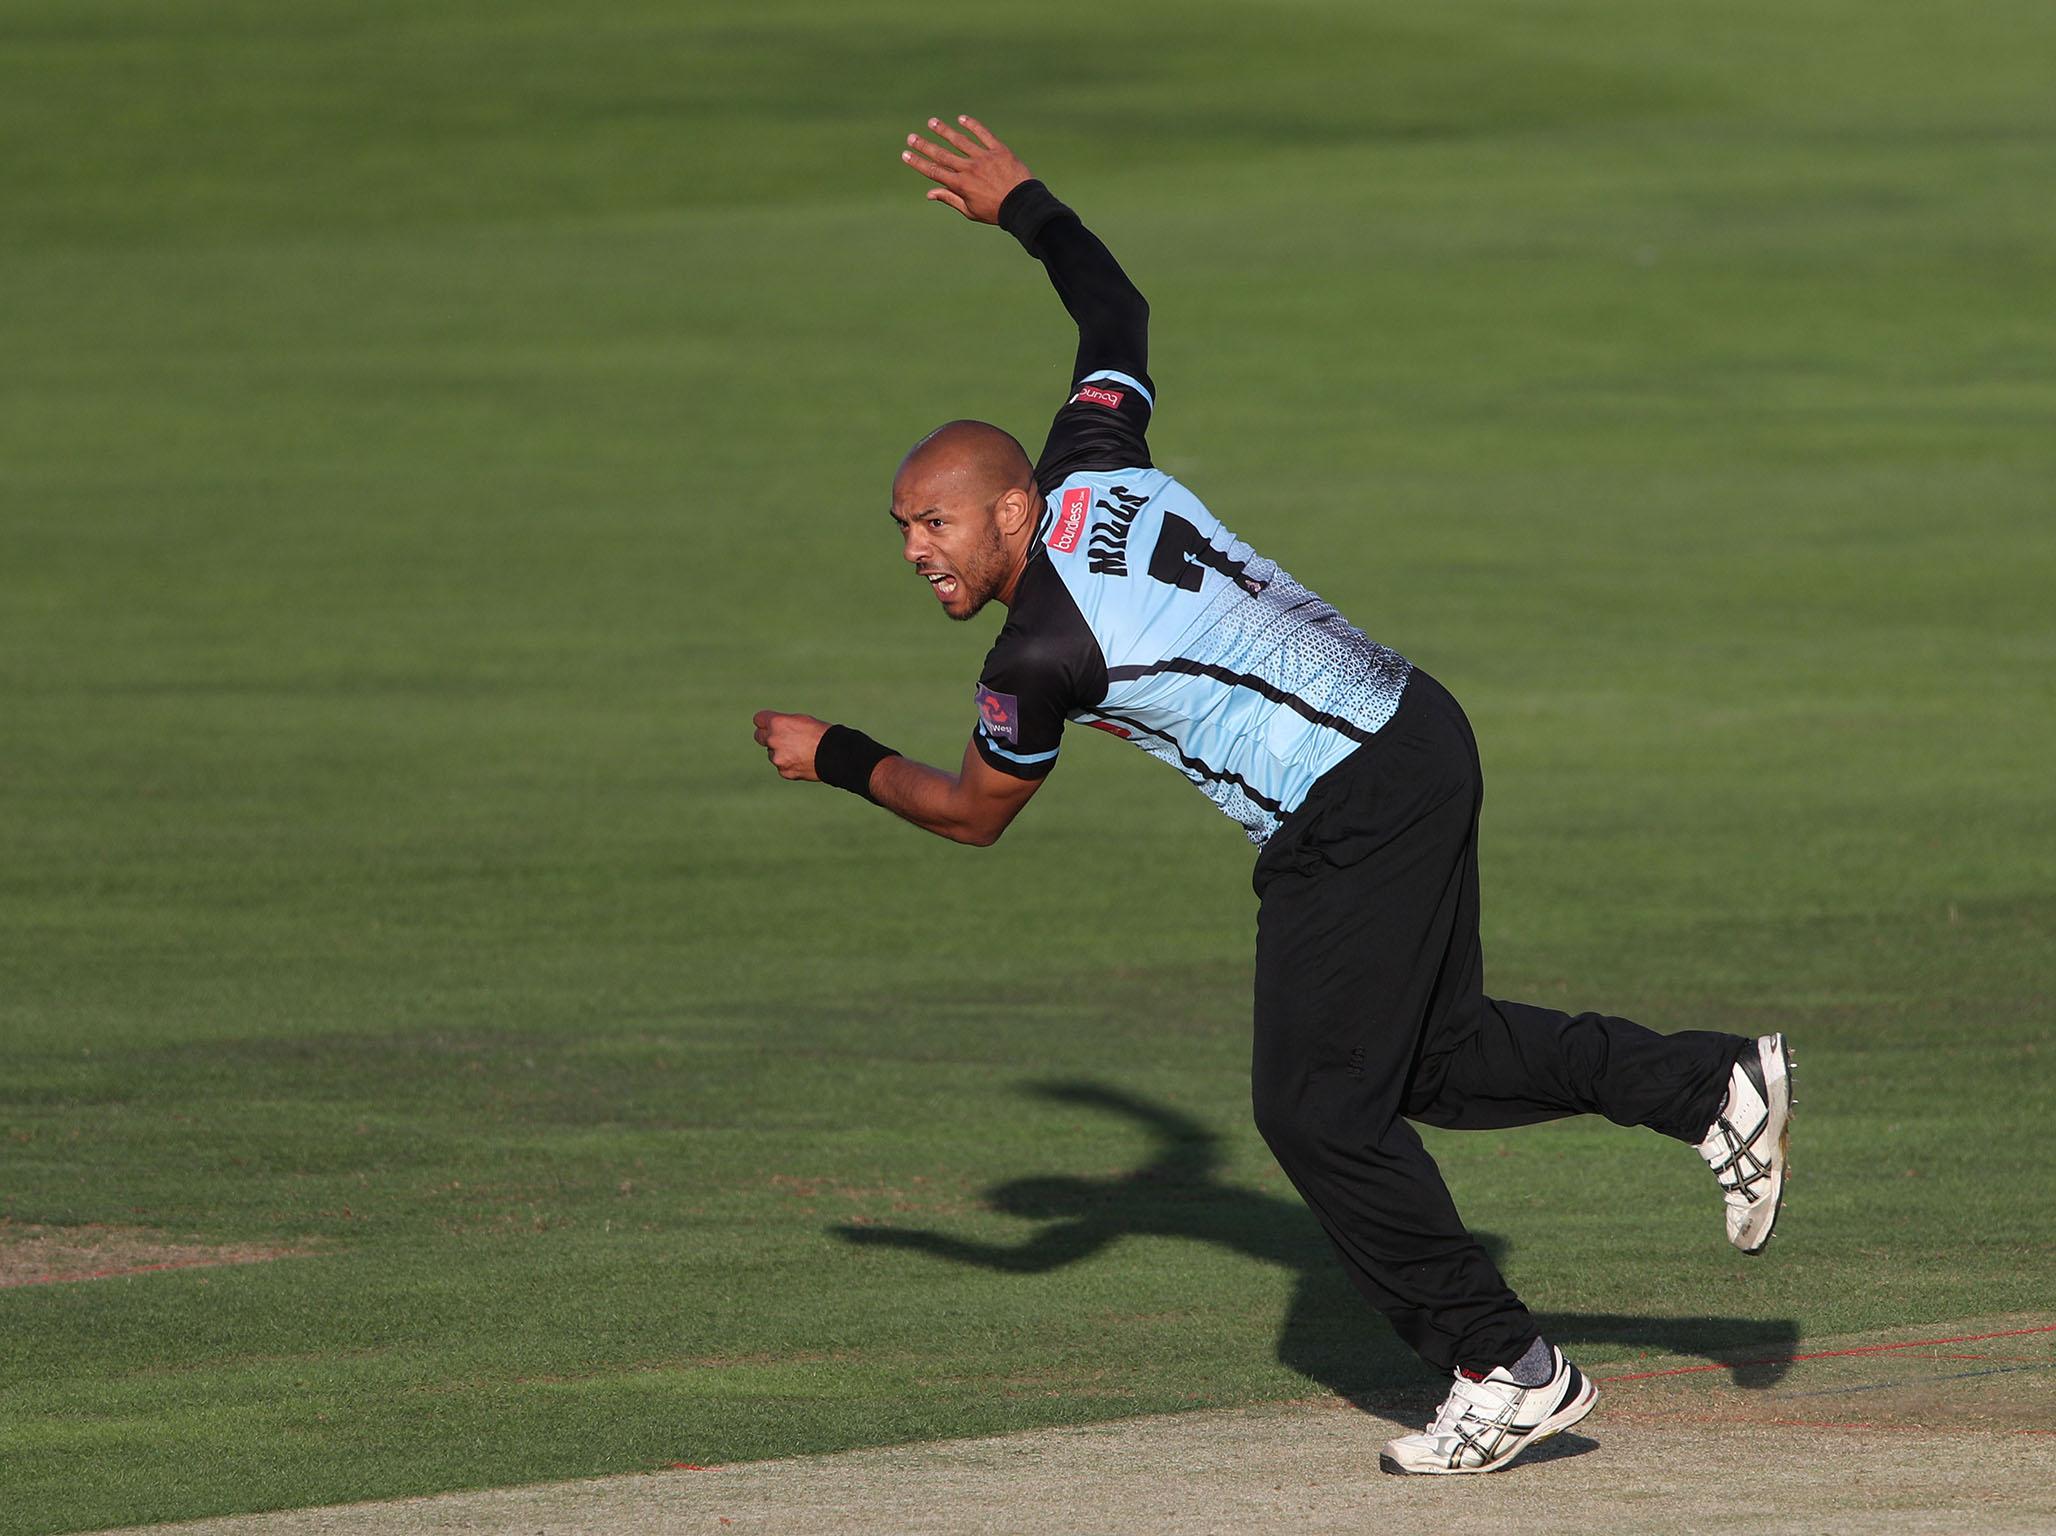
x: 1940, y: 1429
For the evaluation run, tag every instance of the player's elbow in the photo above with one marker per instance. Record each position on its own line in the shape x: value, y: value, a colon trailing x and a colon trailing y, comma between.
x: 982, y: 828
x: 1117, y: 316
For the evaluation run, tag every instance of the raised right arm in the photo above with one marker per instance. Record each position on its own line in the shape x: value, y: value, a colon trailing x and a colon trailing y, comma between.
x: 1104, y: 421
x: 1111, y: 313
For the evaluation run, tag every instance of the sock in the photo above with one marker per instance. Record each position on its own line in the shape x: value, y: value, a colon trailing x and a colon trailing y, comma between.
x: 1535, y: 1367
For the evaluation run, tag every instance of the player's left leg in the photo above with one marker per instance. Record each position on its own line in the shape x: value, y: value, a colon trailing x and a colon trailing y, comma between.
x: 1520, y: 1063
x: 1728, y: 1097
x: 1487, y: 1063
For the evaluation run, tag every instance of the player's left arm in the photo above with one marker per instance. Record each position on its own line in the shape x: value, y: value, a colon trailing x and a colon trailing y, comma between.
x: 973, y: 805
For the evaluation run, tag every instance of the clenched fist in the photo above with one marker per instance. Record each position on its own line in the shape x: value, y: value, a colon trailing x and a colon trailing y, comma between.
x: 789, y: 741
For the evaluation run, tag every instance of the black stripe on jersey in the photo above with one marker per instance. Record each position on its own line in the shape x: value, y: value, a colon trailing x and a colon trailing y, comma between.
x: 1218, y: 775
x: 1268, y: 689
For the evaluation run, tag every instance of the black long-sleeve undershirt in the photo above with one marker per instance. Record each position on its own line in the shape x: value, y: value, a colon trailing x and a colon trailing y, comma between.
x: 1096, y: 428
x: 1112, y: 315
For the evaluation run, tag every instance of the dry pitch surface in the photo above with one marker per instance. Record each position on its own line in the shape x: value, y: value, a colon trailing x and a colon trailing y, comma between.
x: 1939, y: 1429
x: 39, y: 1255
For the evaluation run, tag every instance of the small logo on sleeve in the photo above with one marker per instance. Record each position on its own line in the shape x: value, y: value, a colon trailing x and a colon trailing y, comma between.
x: 1070, y: 523
x: 1092, y: 394
x: 1000, y: 714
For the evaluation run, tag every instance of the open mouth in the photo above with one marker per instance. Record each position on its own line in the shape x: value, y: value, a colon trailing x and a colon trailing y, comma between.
x: 945, y: 585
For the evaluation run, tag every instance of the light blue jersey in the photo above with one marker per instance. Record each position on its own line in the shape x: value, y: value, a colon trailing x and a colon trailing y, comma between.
x: 1140, y: 614
x: 1137, y: 612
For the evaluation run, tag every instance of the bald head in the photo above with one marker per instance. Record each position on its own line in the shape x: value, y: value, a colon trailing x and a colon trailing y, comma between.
x: 970, y: 458
x: 966, y: 504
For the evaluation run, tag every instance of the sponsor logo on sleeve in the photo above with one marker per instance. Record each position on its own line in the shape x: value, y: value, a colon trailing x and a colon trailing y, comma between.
x: 1000, y: 714
x: 1092, y: 394
x: 1070, y: 523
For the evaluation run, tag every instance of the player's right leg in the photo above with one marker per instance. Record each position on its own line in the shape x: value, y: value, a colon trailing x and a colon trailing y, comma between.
x: 1369, y: 909
x: 1488, y: 1420
x: 1361, y: 904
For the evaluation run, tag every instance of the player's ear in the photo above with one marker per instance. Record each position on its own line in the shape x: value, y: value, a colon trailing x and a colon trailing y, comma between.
x: 1016, y: 509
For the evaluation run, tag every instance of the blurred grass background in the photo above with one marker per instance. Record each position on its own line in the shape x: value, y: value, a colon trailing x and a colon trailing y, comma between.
x: 428, y: 432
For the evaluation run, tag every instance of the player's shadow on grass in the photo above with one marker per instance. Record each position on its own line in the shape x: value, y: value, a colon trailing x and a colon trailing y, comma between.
x: 1329, y: 1335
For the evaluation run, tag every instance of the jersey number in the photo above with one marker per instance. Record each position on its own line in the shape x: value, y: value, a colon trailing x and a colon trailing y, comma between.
x: 1182, y: 558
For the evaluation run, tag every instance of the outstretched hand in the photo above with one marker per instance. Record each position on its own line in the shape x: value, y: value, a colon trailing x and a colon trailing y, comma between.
x: 976, y: 179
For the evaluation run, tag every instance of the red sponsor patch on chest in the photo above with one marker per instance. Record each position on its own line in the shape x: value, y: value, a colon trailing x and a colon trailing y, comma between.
x: 1070, y: 524
x: 1092, y: 394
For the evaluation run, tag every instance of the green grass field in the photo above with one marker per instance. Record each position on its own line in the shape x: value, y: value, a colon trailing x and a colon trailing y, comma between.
x: 427, y: 433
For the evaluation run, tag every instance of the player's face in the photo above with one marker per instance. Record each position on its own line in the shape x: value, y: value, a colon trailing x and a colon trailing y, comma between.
x: 956, y: 547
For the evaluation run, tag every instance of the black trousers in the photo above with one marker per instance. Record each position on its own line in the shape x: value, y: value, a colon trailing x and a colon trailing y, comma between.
x: 1371, y: 1010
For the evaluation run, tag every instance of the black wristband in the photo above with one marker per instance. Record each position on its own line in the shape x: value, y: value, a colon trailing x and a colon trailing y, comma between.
x: 845, y: 757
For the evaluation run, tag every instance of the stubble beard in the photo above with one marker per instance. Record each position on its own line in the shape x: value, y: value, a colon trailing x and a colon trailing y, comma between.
x: 981, y: 576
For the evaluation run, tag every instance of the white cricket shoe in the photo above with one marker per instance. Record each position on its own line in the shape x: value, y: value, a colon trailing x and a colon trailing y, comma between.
x: 1486, y: 1422
x: 1745, y: 1146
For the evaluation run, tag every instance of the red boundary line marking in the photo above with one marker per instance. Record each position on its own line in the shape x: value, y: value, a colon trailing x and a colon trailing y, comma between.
x: 1829, y: 1354
x: 1905, y: 1429
x: 1919, y: 1429
x: 2030, y: 1359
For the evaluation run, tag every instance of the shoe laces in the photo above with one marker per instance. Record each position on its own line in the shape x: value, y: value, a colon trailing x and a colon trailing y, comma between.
x: 1731, y: 1152
x: 1487, y: 1403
